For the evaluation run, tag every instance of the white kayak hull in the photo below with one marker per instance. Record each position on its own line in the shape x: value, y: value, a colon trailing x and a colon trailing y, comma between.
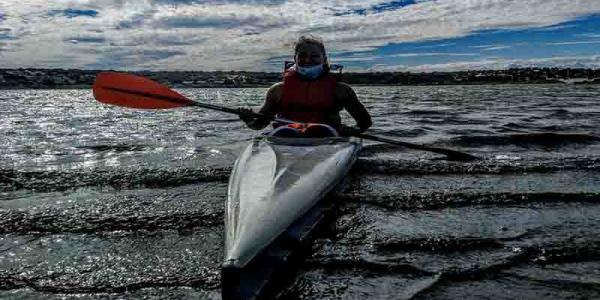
x: 274, y: 183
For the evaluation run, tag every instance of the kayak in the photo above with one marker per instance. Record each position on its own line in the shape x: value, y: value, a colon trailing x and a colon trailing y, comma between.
x: 274, y: 201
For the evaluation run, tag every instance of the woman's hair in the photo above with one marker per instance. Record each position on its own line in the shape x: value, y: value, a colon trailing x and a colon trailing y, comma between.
x: 309, y: 39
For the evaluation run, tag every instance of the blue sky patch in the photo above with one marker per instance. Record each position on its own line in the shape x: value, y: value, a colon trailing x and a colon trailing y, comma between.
x: 377, y: 8
x: 392, y: 5
x: 73, y: 13
x: 580, y: 37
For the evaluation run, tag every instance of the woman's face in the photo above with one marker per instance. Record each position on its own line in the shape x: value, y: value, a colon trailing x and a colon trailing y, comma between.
x: 309, y: 55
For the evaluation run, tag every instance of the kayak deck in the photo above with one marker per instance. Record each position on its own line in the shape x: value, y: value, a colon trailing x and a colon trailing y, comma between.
x: 274, y: 203
x: 270, y: 267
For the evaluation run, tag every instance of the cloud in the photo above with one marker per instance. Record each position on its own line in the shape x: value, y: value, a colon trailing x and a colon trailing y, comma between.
x: 387, y: 68
x: 245, y: 35
x: 495, y: 48
x: 441, y: 45
x: 367, y: 58
x: 89, y: 39
x: 554, y: 28
x: 135, y: 21
x: 4, y: 33
x: 574, y: 43
x: 159, y: 54
x: 419, y: 54
x: 227, y: 22
x: 589, y: 35
x: 490, y: 47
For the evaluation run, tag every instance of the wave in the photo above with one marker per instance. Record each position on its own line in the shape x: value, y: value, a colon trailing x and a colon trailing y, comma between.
x: 543, y: 254
x: 433, y: 201
x: 439, y: 244
x: 206, y: 279
x: 367, y: 166
x: 538, y: 254
x: 56, y: 221
x: 562, y: 113
x: 514, y: 127
x: 429, y: 112
x: 547, y: 139
x: 334, y: 263
x: 406, y: 132
x: 50, y: 181
x: 114, y: 147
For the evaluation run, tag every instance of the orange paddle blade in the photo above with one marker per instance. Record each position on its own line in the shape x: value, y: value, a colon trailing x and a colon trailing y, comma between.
x: 136, y: 92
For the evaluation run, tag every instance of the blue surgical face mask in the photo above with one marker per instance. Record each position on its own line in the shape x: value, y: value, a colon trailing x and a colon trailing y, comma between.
x: 311, y: 72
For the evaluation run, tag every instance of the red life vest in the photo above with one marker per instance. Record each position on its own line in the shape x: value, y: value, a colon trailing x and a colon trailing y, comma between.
x: 307, y: 101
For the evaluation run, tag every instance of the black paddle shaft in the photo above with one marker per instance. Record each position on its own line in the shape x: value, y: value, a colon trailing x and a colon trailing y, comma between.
x: 452, y: 154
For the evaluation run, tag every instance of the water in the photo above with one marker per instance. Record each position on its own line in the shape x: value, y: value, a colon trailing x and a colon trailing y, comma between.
x: 104, y: 202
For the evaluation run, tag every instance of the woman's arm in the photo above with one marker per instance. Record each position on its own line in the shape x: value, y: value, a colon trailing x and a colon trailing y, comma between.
x: 350, y: 103
x: 268, y: 109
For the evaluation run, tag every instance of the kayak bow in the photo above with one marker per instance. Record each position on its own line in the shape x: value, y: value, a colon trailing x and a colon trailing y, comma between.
x: 274, y: 190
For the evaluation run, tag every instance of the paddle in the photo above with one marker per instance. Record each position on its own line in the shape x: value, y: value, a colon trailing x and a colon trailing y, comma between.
x: 134, y: 91
x: 451, y: 154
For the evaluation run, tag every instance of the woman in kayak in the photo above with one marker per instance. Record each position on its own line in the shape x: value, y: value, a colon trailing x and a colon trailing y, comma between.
x: 309, y: 93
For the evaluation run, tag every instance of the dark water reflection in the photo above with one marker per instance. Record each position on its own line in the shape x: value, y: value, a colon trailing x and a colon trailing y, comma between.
x: 103, y: 202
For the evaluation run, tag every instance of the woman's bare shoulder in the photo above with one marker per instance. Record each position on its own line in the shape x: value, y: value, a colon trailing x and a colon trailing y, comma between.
x: 275, y: 90
x: 343, y: 90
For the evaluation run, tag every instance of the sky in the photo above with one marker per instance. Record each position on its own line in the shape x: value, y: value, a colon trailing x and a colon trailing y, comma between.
x: 361, y: 35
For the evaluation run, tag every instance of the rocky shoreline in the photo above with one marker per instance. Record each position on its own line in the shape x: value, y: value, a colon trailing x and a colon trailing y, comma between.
x: 75, y: 78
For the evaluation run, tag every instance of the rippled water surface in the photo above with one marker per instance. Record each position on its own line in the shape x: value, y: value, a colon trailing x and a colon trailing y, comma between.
x: 103, y: 202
